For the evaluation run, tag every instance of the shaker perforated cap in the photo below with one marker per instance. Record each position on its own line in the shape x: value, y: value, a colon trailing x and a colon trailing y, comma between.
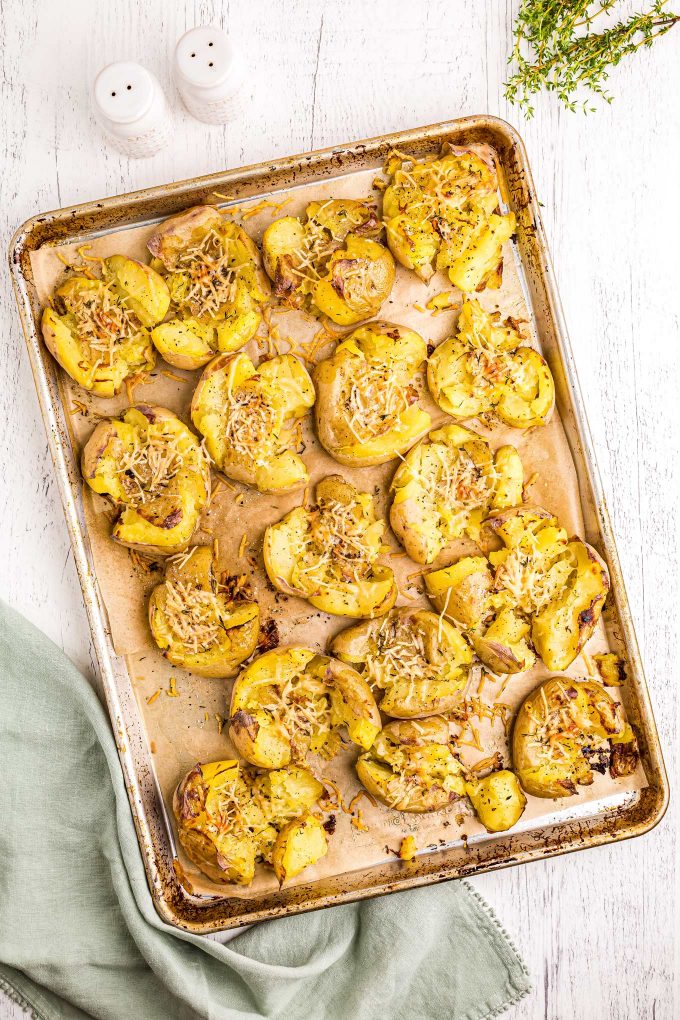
x: 123, y: 92
x: 130, y: 107
x: 204, y: 57
x: 209, y: 73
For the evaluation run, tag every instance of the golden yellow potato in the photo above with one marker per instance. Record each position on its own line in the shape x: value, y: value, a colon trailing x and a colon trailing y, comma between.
x: 461, y: 591
x: 503, y: 644
x: 196, y: 622
x: 290, y: 701
x: 486, y: 368
x: 358, y: 278
x: 247, y: 415
x: 229, y: 818
x: 216, y: 282
x: 563, y: 731
x: 542, y: 592
x: 331, y: 263
x: 299, y: 844
x: 418, y: 660
x: 464, y: 593
x: 367, y: 409
x: 328, y: 554
x: 443, y: 214
x: 412, y: 766
x: 408, y: 851
x: 153, y: 468
x: 446, y: 486
x: 561, y: 583
x: 611, y: 668
x: 98, y: 330
x: 497, y: 799
x: 561, y: 628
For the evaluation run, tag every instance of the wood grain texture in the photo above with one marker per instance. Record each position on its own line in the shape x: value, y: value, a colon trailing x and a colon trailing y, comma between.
x: 598, y: 930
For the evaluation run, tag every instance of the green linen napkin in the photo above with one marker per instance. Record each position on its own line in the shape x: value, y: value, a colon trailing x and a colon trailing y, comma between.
x: 79, y: 934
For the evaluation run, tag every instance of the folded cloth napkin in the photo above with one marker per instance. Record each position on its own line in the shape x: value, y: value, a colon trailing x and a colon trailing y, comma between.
x: 79, y: 934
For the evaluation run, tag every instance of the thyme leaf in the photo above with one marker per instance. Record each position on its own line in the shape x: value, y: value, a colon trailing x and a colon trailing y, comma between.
x: 559, y: 48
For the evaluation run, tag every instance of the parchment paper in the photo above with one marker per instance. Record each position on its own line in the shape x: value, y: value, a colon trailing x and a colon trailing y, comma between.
x: 187, y: 728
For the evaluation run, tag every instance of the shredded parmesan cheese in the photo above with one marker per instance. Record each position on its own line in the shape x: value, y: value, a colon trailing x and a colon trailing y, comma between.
x: 149, y: 465
x: 207, y: 275
x: 102, y: 322
x: 375, y: 401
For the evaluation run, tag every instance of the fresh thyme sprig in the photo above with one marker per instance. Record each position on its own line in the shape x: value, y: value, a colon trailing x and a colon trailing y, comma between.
x: 555, y: 48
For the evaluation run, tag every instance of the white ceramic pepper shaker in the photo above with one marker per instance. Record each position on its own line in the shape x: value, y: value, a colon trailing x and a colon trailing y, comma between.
x: 130, y: 107
x: 209, y: 73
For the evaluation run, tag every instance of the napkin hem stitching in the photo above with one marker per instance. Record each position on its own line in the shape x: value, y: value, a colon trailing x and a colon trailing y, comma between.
x: 20, y: 999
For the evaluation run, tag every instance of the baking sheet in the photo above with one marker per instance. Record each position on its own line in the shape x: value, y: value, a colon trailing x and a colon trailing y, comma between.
x: 184, y: 729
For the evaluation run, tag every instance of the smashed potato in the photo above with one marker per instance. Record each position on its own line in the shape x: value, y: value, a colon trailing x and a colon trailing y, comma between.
x: 497, y: 799
x: 464, y: 593
x: 541, y: 592
x: 561, y: 583
x: 229, y: 818
x: 367, y: 409
x: 327, y: 554
x: 447, y: 485
x: 412, y: 766
x: 247, y: 415
x: 299, y: 844
x: 291, y: 700
x: 152, y: 467
x: 487, y: 368
x: 216, y: 286
x: 99, y: 330
x: 443, y: 214
x: 565, y: 730
x: 611, y: 668
x: 331, y: 263
x: 420, y: 662
x: 196, y: 623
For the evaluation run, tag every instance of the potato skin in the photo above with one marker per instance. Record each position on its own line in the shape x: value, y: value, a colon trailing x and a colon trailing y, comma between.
x: 239, y: 622
x: 267, y: 803
x: 412, y: 767
x: 508, y: 378
x: 376, y: 359
x: 264, y: 739
x: 197, y: 329
x: 166, y: 523
x: 290, y: 540
x: 346, y: 301
x: 273, y: 397
x: 451, y: 464
x: 446, y: 657
x: 130, y: 285
x: 596, y: 724
x: 461, y: 591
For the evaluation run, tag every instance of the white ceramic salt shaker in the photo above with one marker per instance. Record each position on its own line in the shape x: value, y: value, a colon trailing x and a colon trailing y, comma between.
x: 130, y: 106
x: 209, y: 73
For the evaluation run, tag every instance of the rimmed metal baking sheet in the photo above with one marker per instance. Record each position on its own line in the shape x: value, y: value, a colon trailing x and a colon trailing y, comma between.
x: 618, y: 817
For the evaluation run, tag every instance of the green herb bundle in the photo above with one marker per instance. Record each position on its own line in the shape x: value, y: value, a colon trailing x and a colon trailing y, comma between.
x: 563, y: 46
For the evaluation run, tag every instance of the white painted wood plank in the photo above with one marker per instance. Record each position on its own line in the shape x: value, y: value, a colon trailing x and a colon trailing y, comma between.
x: 598, y: 929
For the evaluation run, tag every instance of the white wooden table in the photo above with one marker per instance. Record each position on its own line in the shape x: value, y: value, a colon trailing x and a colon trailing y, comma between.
x: 599, y: 929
